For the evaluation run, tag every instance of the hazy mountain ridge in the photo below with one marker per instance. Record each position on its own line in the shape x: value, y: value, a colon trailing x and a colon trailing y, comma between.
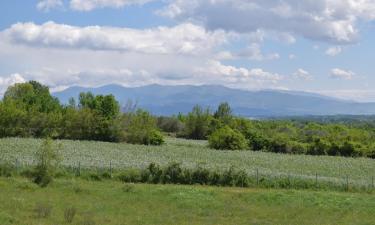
x: 167, y: 100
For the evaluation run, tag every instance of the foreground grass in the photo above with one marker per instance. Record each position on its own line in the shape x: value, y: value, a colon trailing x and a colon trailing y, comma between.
x: 89, y: 154
x: 118, y: 203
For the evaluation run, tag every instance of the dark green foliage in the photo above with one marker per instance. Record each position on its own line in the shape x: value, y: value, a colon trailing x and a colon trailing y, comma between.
x: 224, y: 113
x: 6, y: 170
x: 175, y: 174
x: 227, y: 139
x: 170, y: 124
x: 197, y: 123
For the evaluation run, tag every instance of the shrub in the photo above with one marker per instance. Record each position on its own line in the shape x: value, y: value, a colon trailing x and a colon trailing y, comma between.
x: 173, y: 174
x: 47, y: 160
x: 170, y: 124
x: 140, y: 128
x: 227, y: 138
x: 155, y: 138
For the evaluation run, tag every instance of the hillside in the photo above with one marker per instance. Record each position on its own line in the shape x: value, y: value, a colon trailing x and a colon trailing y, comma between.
x: 168, y: 100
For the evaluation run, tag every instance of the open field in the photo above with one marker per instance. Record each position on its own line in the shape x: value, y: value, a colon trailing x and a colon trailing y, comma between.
x: 117, y: 203
x: 360, y: 171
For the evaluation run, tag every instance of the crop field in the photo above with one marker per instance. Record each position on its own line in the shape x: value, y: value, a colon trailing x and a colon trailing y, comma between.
x: 89, y: 154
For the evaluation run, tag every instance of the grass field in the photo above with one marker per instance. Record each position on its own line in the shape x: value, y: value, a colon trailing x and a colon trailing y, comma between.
x: 360, y: 171
x: 117, y: 203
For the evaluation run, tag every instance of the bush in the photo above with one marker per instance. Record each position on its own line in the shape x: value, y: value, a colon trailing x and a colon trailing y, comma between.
x: 170, y: 124
x: 47, y: 160
x: 140, y: 128
x: 226, y: 138
x: 155, y: 138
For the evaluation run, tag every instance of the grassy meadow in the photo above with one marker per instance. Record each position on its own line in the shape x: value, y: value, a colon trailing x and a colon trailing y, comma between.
x: 89, y: 154
x: 111, y: 202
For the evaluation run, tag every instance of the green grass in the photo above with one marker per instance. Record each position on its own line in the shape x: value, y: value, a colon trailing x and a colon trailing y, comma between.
x: 117, y: 203
x: 190, y: 153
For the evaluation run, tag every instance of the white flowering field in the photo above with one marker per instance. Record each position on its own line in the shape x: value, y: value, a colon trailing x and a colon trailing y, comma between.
x: 91, y: 154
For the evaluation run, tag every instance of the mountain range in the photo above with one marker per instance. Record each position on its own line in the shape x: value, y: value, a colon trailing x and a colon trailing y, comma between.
x: 169, y: 100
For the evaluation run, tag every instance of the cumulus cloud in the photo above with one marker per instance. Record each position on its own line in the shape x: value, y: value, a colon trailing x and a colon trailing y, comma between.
x: 324, y: 20
x: 88, y: 5
x: 47, y: 5
x: 333, y: 51
x: 231, y: 74
x: 185, y: 38
x: 253, y: 52
x: 342, y: 74
x: 6, y: 81
x: 302, y: 74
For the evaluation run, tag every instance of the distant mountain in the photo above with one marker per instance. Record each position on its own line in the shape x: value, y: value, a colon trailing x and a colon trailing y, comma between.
x: 168, y: 100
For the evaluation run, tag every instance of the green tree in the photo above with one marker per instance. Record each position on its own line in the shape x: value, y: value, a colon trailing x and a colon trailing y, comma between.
x: 226, y: 138
x: 140, y: 128
x: 224, y: 113
x: 197, y: 123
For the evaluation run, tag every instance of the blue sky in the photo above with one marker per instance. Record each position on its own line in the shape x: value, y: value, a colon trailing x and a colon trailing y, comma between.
x: 323, y: 46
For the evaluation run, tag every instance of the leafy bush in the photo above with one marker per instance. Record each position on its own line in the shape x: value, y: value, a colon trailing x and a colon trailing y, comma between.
x: 47, y: 160
x: 228, y: 139
x: 170, y: 124
x: 140, y: 128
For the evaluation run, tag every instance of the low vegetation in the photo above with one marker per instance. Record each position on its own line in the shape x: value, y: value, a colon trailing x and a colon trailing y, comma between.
x: 113, y: 202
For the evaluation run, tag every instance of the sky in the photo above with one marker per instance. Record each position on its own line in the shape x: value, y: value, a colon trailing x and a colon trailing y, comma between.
x: 321, y: 46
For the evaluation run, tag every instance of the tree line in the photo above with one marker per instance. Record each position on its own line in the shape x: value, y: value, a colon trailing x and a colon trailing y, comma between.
x: 29, y: 110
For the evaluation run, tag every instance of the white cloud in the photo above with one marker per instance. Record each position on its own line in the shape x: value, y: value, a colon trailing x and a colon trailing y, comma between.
x: 292, y: 56
x: 9, y: 80
x: 234, y: 75
x: 325, y: 20
x: 183, y: 39
x: 88, y: 5
x: 47, y: 5
x: 60, y: 68
x: 342, y: 74
x: 333, y: 51
x: 253, y: 52
x: 302, y: 74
